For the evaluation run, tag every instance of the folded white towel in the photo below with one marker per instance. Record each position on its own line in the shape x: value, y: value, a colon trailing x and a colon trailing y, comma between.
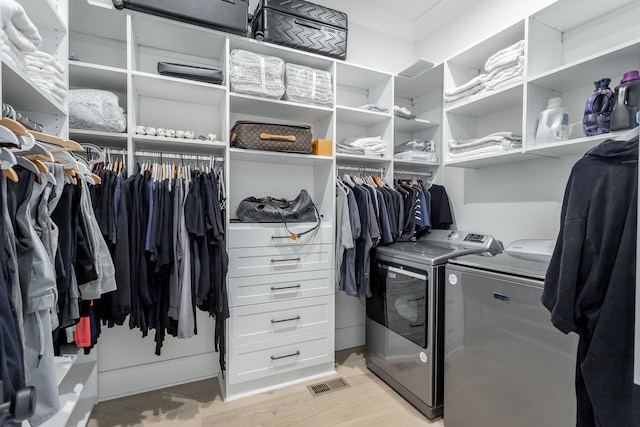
x: 20, y: 29
x: 476, y: 81
x: 516, y: 47
x: 469, y: 92
x: 39, y: 57
x: 504, y: 78
x: 507, y: 60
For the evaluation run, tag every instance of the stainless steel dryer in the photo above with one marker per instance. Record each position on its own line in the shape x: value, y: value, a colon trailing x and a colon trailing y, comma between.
x: 404, y: 329
x: 505, y: 363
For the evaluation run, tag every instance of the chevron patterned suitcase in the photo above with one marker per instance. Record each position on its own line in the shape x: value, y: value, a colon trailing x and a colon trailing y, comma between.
x: 302, y: 25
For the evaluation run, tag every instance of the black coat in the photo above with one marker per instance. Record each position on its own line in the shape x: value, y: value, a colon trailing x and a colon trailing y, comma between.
x: 590, y: 284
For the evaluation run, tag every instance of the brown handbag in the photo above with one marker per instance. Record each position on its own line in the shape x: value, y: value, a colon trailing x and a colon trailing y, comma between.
x: 271, y: 137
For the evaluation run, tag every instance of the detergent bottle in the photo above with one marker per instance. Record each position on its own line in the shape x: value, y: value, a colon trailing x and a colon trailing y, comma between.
x: 553, y: 123
x: 627, y: 102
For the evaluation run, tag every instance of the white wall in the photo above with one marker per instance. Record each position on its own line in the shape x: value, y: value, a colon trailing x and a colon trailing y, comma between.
x: 483, y: 19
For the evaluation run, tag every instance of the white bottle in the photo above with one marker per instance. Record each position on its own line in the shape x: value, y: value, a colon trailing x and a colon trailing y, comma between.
x: 553, y: 123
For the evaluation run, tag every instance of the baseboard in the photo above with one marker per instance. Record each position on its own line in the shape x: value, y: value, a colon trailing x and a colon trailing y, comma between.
x: 153, y: 376
x: 351, y: 336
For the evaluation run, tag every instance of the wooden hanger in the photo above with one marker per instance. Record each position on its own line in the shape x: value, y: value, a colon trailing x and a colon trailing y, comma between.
x: 10, y: 174
x: 56, y: 140
x: 14, y: 126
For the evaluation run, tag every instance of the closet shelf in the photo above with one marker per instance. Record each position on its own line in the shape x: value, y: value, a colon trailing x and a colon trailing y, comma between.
x: 358, y: 77
x: 360, y: 116
x: 412, y: 126
x: 283, y: 110
x: 585, y: 71
x: 569, y: 14
x: 571, y: 146
x: 63, y: 365
x: 19, y: 91
x: 239, y: 154
x: 361, y: 160
x: 489, y: 102
x: 483, y: 160
x: 420, y: 85
x: 414, y: 164
x: 73, y: 390
x: 44, y: 15
x: 106, y: 139
x: 177, y: 145
x: 93, y: 76
x: 157, y: 86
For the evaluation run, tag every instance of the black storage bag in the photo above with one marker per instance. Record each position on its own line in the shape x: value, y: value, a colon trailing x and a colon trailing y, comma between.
x: 231, y: 16
x: 201, y: 74
x: 302, y: 25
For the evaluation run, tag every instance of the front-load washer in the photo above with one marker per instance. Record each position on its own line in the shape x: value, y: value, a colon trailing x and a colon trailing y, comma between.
x: 404, y: 327
x: 504, y: 362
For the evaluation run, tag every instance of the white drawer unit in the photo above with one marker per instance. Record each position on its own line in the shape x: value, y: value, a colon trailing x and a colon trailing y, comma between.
x: 254, y: 361
x: 252, y: 324
x: 279, y: 287
x: 275, y: 235
x: 286, y: 259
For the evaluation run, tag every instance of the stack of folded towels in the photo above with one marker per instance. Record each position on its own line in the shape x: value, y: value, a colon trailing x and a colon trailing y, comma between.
x: 493, y: 143
x: 503, y: 68
x: 364, y: 145
x: 20, y: 43
x: 308, y: 85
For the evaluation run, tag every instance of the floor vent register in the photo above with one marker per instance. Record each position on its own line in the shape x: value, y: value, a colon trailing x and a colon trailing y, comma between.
x: 328, y: 386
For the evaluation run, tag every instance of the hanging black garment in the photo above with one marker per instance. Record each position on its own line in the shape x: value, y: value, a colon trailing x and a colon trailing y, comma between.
x: 590, y: 284
x: 441, y: 217
x: 140, y: 297
x: 121, y: 299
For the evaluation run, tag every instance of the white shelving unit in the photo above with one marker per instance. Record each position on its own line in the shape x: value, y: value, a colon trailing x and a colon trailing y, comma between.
x: 119, y: 51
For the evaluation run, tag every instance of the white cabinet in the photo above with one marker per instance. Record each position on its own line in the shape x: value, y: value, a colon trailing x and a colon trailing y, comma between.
x: 572, y: 45
x: 569, y: 45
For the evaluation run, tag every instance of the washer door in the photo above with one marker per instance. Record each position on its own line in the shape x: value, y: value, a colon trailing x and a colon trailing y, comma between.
x: 406, y: 302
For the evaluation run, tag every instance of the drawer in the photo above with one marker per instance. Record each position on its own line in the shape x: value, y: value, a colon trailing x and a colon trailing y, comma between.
x: 286, y: 259
x: 279, y: 287
x: 251, y: 361
x: 256, y: 323
x: 273, y: 235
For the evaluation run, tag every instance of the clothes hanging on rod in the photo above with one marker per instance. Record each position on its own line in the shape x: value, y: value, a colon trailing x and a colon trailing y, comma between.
x: 168, y: 244
x: 590, y: 284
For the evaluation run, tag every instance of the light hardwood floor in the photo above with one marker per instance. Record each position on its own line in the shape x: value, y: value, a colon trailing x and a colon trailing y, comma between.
x: 367, y: 402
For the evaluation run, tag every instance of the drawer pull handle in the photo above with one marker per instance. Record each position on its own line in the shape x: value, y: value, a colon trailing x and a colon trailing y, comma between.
x: 286, y: 259
x: 281, y: 237
x: 297, y: 353
x: 418, y: 325
x: 286, y: 320
x: 273, y: 288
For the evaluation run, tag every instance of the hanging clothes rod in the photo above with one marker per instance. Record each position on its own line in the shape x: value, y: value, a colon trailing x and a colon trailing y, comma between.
x: 412, y: 173
x: 379, y: 171
x: 174, y: 156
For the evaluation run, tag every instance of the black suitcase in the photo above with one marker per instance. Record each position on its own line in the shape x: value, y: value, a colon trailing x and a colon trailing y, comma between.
x: 231, y: 16
x: 201, y: 74
x: 301, y: 25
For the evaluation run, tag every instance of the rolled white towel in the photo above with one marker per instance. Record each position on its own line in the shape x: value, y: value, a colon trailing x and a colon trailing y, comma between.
x: 18, y: 26
x: 46, y: 58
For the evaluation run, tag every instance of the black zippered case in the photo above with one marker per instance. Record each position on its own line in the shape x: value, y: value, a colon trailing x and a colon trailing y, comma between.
x: 301, y: 25
x: 231, y: 16
x: 201, y: 74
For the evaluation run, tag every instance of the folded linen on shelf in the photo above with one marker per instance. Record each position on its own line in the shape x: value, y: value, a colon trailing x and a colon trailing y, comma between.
x: 308, y: 85
x: 415, y: 145
x: 12, y: 51
x: 466, y: 94
x: 484, y: 150
x: 374, y: 107
x: 18, y: 27
x: 468, y: 86
x: 505, y: 56
x: 504, y: 140
x: 417, y: 155
x: 40, y: 59
x: 403, y: 113
x: 254, y: 74
x: 371, y: 145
